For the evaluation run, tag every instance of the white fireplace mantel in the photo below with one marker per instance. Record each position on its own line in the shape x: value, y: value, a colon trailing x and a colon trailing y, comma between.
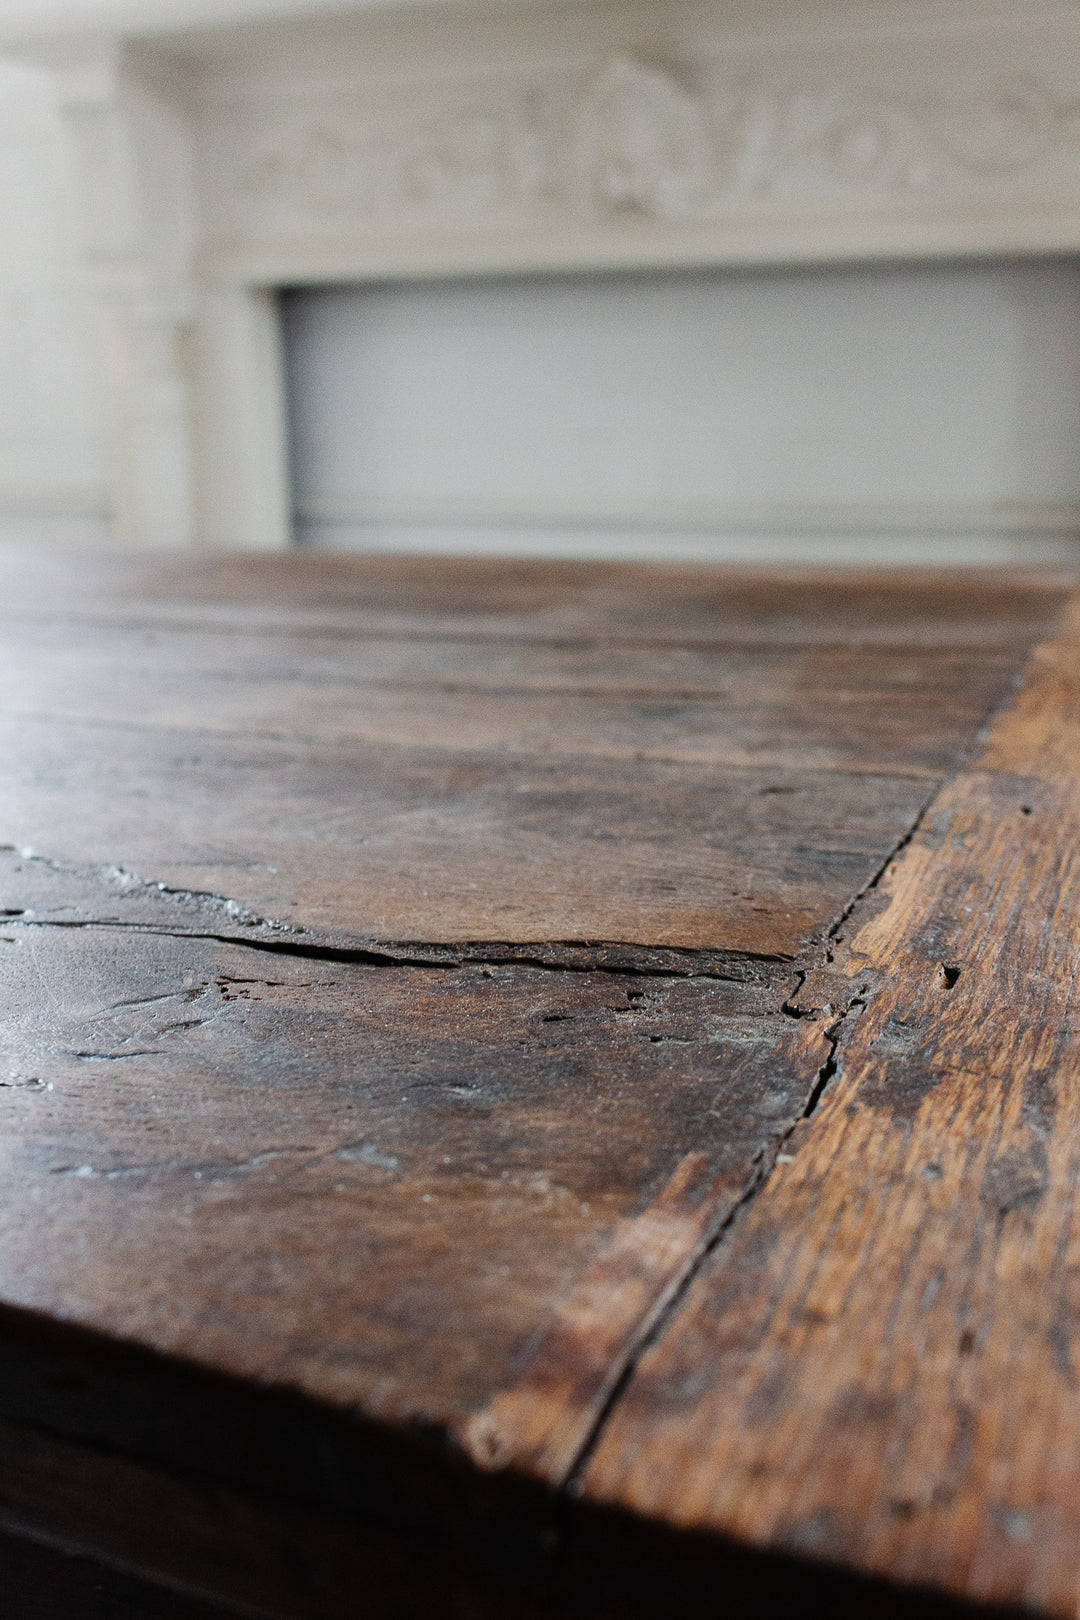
x: 227, y: 148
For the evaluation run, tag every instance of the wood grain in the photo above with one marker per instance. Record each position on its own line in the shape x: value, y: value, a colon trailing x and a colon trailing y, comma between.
x: 811, y: 708
x: 351, y: 844
x: 365, y: 751
x: 375, y: 1184
x: 420, y: 993
x: 608, y: 603
x: 877, y: 1368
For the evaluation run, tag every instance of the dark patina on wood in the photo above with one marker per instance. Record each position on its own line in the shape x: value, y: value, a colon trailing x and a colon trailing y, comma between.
x: 504, y: 1066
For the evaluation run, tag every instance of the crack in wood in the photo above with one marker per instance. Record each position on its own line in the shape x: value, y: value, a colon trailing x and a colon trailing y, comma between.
x: 614, y: 958
x: 653, y: 1328
x: 85, y: 896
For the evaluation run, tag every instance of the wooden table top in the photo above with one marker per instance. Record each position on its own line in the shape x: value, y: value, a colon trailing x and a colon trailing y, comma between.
x: 542, y: 1089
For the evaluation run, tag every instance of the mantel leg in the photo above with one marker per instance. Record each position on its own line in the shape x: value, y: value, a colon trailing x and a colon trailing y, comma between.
x: 145, y: 407
x: 240, y: 439
x: 191, y: 403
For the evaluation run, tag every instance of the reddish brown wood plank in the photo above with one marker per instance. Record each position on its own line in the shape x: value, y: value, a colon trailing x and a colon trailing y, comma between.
x: 591, y: 602
x: 393, y: 1190
x: 882, y: 709
x: 878, y: 1368
x: 494, y: 790
x: 373, y: 1183
x: 442, y: 1205
x: 346, y: 843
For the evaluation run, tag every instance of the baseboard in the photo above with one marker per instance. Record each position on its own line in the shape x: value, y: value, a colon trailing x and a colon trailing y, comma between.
x: 882, y: 547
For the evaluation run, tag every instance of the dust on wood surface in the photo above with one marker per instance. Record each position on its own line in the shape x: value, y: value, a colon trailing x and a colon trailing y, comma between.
x: 414, y: 977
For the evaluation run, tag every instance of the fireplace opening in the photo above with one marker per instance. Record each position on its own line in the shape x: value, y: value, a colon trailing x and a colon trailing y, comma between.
x: 898, y: 413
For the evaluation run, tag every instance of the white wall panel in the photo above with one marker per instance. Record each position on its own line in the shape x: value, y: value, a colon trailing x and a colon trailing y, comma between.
x: 923, y: 410
x: 50, y: 460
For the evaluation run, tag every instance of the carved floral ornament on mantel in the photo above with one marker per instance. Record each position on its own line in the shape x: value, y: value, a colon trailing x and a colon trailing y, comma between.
x: 642, y: 139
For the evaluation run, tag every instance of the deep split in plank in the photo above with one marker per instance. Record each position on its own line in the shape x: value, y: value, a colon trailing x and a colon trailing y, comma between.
x: 525, y: 1084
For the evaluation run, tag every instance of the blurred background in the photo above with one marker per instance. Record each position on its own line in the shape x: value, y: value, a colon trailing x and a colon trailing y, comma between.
x: 52, y: 479
x: 874, y: 409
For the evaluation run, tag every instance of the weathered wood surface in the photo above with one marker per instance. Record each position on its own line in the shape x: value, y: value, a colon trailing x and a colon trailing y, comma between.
x: 553, y: 602
x: 414, y: 977
x: 384, y: 1176
x: 558, y: 766
x: 715, y: 705
x: 337, y: 844
x: 880, y: 1366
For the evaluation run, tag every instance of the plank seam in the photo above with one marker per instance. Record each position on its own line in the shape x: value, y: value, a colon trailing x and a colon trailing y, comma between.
x: 658, y: 1323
